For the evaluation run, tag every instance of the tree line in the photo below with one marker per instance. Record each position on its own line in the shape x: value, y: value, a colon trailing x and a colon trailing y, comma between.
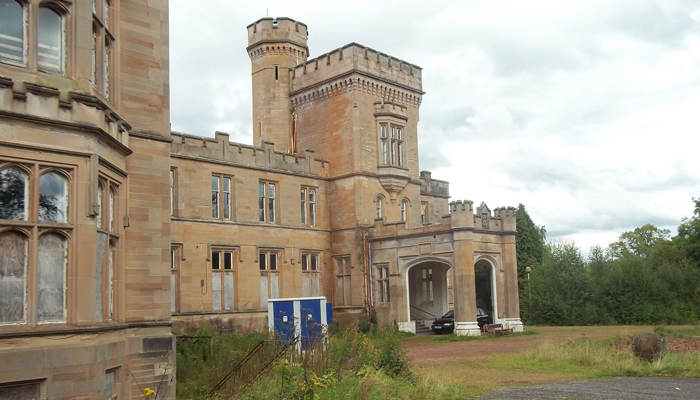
x: 648, y: 276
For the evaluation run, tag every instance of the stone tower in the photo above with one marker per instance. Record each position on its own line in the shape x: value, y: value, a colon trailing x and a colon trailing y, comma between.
x: 275, y: 46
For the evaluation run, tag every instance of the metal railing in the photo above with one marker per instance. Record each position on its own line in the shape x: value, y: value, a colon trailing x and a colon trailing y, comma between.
x: 253, y: 365
x: 421, y: 310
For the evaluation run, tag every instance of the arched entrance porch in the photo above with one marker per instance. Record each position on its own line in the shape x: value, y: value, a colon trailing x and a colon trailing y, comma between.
x: 486, y: 288
x: 429, y: 291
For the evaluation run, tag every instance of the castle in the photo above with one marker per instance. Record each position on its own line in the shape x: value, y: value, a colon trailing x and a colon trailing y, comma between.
x: 112, y: 226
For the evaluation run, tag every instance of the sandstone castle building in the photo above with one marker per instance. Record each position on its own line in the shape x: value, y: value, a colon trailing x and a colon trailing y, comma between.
x: 112, y: 226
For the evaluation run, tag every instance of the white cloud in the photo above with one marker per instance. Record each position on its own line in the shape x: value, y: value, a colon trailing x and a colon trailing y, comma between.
x: 581, y: 110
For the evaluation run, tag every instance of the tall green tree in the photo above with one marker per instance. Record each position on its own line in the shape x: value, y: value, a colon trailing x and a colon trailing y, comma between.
x: 529, y: 241
x: 688, y: 237
x: 639, y: 242
x: 529, y: 247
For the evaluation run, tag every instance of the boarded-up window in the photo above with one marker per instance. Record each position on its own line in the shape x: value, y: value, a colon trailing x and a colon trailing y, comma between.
x: 343, y: 296
x: 51, y: 273
x: 310, y: 275
x: 222, y: 279
x: 99, y: 276
x: 13, y: 270
x: 269, y: 277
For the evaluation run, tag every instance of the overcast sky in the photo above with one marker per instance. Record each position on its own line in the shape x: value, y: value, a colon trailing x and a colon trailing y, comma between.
x: 581, y: 110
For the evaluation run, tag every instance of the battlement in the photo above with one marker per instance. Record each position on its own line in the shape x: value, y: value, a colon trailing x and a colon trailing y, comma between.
x: 360, y: 59
x: 463, y: 215
x: 219, y: 149
x: 433, y: 187
x: 277, y: 30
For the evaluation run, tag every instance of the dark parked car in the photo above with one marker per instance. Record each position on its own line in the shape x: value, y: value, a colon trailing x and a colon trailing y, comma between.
x: 446, y: 323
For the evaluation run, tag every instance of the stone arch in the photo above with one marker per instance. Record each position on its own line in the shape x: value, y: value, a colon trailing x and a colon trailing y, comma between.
x: 427, y: 294
x: 493, y: 266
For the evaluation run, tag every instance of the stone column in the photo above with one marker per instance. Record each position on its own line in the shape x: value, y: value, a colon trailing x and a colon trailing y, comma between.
x: 464, y: 286
x: 462, y: 219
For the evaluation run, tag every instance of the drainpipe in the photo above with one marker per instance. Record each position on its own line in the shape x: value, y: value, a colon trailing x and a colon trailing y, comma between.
x: 365, y: 255
x: 371, y: 281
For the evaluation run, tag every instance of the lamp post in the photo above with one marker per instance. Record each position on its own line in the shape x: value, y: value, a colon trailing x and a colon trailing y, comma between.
x: 529, y: 293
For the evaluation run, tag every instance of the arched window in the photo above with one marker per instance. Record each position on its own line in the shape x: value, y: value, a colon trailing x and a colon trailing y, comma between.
x: 379, y: 207
x: 53, y: 198
x: 13, y: 276
x: 50, y: 38
x: 12, y: 32
x: 51, y: 278
x: 403, y: 210
x: 14, y: 194
x: 33, y: 257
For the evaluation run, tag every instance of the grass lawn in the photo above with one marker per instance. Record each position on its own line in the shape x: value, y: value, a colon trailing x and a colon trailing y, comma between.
x: 468, y: 368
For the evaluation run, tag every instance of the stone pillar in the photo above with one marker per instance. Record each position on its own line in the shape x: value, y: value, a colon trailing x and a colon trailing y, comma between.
x: 462, y: 219
x: 399, y: 291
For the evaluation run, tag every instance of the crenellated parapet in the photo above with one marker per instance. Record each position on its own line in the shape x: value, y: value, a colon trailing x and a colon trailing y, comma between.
x: 266, y: 31
x: 507, y: 217
x: 219, y: 149
x: 381, y: 75
x: 71, y: 110
x: 433, y: 187
x: 463, y: 215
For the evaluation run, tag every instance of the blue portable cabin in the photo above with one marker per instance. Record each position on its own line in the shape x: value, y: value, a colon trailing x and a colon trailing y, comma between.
x: 303, y: 317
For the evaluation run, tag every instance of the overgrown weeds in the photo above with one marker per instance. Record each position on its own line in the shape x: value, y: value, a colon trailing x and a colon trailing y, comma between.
x: 678, y: 332
x: 597, y: 361
x: 367, y: 364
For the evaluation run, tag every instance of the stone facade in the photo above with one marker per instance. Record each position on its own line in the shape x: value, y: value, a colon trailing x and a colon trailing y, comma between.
x: 84, y: 223
x: 343, y: 126
x: 111, y: 225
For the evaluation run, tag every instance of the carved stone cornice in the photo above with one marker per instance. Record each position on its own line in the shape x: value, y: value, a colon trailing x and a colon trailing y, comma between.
x: 355, y: 80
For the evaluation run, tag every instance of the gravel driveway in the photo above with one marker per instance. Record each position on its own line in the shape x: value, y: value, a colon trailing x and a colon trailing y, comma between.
x: 616, y: 388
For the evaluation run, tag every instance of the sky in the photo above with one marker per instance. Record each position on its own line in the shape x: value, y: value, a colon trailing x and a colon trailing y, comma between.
x: 580, y: 110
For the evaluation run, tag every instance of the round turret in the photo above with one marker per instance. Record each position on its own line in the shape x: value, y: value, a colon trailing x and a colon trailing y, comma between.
x: 275, y: 47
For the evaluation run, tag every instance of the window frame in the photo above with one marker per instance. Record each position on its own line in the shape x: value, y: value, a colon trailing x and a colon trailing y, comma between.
x: 32, y: 231
x: 62, y: 14
x: 308, y: 198
x: 107, y: 223
x: 267, y: 204
x: 227, y: 300
x: 25, y: 17
x: 427, y: 288
x: 379, y: 207
x: 404, y: 210
x: 176, y: 255
x: 423, y: 212
x: 222, y: 204
x: 265, y: 257
x: 383, y: 284
x: 102, y: 79
x: 311, y: 276
x: 392, y: 148
x: 343, y: 278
